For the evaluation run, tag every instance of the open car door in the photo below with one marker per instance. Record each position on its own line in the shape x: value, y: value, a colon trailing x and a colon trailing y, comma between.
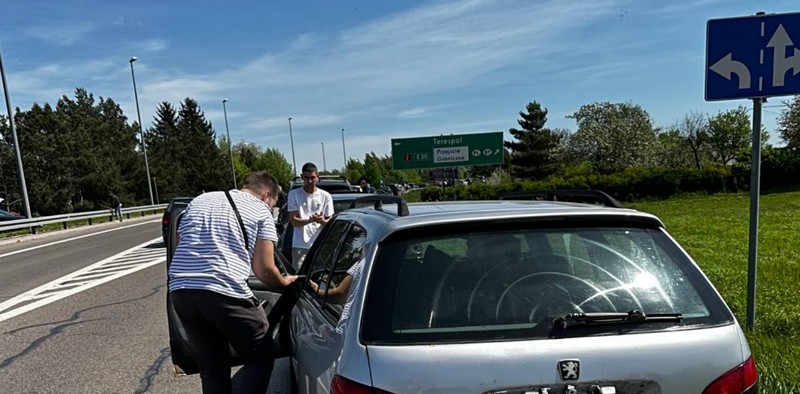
x: 277, y: 305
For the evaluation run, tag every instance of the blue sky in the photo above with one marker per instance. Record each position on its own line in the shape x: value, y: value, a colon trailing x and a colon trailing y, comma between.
x: 380, y: 69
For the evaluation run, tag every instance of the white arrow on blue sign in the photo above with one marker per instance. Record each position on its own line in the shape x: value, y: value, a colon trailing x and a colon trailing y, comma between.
x: 755, y: 56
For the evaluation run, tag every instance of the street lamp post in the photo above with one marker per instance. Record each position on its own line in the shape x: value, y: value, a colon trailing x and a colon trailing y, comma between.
x: 155, y: 185
x: 230, y: 143
x: 291, y: 138
x: 141, y: 132
x: 23, y: 189
x: 324, y: 166
x: 344, y: 153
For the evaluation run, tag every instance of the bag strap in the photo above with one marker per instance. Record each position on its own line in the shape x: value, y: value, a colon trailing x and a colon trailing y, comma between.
x: 241, y: 223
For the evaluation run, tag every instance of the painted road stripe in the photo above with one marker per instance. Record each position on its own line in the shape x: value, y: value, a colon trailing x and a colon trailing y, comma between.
x: 94, y: 275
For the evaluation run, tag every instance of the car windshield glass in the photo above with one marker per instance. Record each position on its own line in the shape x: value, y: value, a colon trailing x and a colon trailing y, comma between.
x: 341, y: 205
x: 515, y: 282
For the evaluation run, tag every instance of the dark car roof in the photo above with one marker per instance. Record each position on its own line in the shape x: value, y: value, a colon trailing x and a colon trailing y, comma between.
x: 329, y: 184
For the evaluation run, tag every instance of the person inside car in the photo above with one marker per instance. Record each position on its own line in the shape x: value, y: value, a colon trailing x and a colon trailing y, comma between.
x: 343, y: 293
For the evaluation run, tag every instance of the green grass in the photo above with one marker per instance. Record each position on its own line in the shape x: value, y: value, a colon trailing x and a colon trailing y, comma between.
x: 714, y: 230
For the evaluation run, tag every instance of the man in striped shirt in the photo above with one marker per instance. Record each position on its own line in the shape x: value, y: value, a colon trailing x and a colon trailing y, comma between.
x: 208, y: 281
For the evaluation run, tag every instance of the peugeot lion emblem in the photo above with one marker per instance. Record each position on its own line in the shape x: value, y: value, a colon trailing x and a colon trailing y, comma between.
x: 569, y: 369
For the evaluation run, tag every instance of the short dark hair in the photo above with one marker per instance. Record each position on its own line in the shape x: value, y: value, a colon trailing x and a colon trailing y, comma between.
x: 262, y: 180
x: 309, y: 167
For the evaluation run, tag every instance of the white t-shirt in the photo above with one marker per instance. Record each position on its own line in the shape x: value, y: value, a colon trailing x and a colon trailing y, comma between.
x: 306, y: 205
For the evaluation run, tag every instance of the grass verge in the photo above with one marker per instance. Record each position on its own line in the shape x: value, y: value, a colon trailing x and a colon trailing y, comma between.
x: 715, y: 231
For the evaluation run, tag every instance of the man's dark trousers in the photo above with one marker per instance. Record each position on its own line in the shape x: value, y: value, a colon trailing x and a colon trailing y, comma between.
x: 212, y: 321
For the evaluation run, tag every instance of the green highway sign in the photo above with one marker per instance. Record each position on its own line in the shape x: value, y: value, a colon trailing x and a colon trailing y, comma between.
x: 447, y: 151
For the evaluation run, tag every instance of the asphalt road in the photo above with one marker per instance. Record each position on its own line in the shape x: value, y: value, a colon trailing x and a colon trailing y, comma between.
x: 100, y: 329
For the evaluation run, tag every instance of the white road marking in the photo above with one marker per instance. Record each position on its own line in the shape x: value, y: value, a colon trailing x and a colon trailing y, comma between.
x: 74, y: 238
x: 137, y: 258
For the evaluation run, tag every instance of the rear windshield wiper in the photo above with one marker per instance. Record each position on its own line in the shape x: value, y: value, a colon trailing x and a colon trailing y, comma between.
x: 574, y: 320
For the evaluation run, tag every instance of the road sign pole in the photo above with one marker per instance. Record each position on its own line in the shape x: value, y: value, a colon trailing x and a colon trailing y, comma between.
x: 455, y: 176
x: 755, y: 182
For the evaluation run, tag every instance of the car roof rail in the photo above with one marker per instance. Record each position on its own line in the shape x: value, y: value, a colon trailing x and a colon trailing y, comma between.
x: 572, y: 195
x: 379, y: 199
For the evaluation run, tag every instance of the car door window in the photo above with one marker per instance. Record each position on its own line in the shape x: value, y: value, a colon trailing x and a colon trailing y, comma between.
x: 323, y: 256
x: 350, y: 252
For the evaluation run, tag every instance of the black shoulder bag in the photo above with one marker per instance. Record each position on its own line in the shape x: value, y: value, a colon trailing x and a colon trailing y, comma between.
x: 241, y: 223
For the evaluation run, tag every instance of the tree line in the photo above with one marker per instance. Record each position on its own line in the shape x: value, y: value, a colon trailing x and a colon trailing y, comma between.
x: 76, y: 152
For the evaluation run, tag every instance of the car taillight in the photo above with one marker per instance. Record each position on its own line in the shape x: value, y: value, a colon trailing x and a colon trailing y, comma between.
x: 340, y: 385
x: 165, y: 221
x: 737, y: 380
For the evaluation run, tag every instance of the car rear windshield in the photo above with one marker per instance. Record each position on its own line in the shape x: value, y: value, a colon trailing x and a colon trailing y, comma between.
x: 341, y: 205
x: 449, y: 283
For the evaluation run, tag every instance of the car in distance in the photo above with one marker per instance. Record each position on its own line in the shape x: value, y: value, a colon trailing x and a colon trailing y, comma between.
x: 507, y: 296
x: 329, y: 183
x: 165, y: 218
x: 6, y: 216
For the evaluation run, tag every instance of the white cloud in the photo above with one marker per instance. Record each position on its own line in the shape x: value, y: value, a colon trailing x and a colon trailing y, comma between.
x: 302, y: 122
x: 425, y: 50
x: 413, y: 112
x: 154, y: 45
x: 62, y: 35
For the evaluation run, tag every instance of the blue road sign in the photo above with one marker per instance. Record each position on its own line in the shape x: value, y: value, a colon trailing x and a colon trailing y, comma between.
x: 755, y: 56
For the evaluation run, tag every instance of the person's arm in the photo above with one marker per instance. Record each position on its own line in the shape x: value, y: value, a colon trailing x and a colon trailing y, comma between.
x: 336, y: 295
x: 322, y: 219
x: 327, y: 211
x: 297, y: 221
x: 264, y: 265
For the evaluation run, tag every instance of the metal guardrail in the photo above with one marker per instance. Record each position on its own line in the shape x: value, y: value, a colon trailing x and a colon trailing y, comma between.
x: 34, y: 223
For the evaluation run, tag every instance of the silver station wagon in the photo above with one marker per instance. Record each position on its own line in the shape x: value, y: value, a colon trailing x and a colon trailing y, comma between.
x: 506, y: 297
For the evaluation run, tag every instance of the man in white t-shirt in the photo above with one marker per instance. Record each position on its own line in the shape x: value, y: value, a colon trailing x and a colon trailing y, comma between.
x: 309, y: 209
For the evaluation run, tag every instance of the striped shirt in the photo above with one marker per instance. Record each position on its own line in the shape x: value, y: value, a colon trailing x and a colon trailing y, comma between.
x: 211, y: 252
x: 354, y: 271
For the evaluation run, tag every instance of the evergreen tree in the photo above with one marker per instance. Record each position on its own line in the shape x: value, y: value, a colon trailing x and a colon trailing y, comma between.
x: 534, y: 145
x: 120, y: 167
x: 164, y: 148
x: 8, y: 192
x: 248, y: 153
x: 75, y: 156
x: 200, y: 155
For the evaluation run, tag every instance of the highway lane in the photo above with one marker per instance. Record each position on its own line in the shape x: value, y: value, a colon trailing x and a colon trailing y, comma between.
x: 108, y: 338
x: 27, y: 262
